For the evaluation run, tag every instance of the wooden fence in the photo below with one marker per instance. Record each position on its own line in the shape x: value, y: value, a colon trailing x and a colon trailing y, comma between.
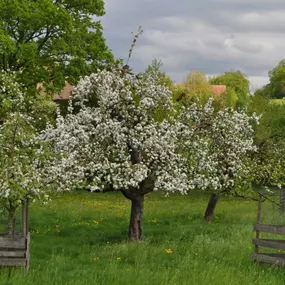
x: 277, y: 244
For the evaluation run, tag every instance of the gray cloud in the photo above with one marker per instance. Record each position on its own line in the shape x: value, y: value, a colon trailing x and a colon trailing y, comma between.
x: 212, y: 36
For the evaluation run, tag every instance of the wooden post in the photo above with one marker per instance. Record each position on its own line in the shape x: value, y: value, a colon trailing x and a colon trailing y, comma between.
x: 25, y: 217
x: 282, y: 200
x: 27, y: 252
x: 258, y: 221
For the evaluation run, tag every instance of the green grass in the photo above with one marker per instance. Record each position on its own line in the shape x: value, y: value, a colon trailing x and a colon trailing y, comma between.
x: 277, y: 101
x: 70, y: 232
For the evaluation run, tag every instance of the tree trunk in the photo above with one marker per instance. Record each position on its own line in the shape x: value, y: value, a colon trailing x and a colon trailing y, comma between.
x: 12, y: 221
x: 136, y: 219
x: 210, y: 211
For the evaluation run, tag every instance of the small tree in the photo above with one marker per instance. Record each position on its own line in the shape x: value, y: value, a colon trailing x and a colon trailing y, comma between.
x: 123, y: 138
x: 25, y: 169
x: 22, y: 160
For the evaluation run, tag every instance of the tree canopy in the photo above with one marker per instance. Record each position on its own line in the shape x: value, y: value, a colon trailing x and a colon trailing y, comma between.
x: 52, y: 40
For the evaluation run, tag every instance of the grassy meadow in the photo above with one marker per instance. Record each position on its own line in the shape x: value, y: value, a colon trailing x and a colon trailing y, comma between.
x: 80, y: 238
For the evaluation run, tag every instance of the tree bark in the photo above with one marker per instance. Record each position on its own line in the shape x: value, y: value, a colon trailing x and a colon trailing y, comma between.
x: 12, y: 221
x: 210, y: 211
x: 137, y: 198
x: 136, y: 219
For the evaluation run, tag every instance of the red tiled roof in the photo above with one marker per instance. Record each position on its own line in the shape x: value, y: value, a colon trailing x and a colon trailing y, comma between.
x: 219, y: 89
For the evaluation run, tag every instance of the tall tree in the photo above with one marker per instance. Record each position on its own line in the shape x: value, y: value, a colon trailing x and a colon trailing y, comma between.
x: 52, y: 40
x: 238, y: 82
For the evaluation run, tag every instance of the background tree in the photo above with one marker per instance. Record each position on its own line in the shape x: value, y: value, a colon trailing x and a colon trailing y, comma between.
x: 52, y: 41
x: 198, y: 86
x: 217, y: 156
x: 237, y: 82
x: 195, y: 88
x: 227, y: 99
x: 276, y: 87
x: 155, y: 67
x: 268, y: 163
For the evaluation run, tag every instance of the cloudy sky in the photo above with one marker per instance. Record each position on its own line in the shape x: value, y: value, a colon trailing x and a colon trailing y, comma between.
x: 212, y: 36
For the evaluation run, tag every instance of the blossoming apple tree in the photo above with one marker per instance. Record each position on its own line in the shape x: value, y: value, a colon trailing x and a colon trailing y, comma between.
x: 26, y: 165
x: 122, y: 137
x: 220, y: 151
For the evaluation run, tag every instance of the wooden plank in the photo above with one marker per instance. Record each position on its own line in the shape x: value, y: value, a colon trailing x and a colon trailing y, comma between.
x: 13, y: 262
x: 275, y: 259
x: 273, y: 229
x: 28, y: 251
x: 270, y: 243
x: 258, y: 220
x: 18, y: 242
x: 7, y: 254
x: 7, y: 236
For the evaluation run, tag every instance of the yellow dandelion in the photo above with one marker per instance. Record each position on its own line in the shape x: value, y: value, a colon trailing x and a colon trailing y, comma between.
x: 168, y: 251
x: 118, y: 258
x: 95, y: 259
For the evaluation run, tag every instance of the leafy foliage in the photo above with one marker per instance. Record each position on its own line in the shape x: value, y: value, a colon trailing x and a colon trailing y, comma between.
x: 52, y: 41
x: 14, y: 97
x: 237, y: 82
x: 155, y: 68
x: 276, y: 87
x: 198, y: 87
x: 22, y: 157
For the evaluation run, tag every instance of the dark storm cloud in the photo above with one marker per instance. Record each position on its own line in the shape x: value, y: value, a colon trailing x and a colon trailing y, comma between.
x: 212, y: 36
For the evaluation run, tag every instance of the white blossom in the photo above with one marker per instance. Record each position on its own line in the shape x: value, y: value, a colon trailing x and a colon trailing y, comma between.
x: 123, y: 135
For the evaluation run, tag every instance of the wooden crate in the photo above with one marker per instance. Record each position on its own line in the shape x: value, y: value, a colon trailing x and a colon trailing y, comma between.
x: 15, y: 251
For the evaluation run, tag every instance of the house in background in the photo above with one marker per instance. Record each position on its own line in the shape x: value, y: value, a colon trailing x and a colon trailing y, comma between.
x: 64, y: 95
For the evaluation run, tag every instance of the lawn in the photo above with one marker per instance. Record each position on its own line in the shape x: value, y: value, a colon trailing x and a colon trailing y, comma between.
x: 80, y: 238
